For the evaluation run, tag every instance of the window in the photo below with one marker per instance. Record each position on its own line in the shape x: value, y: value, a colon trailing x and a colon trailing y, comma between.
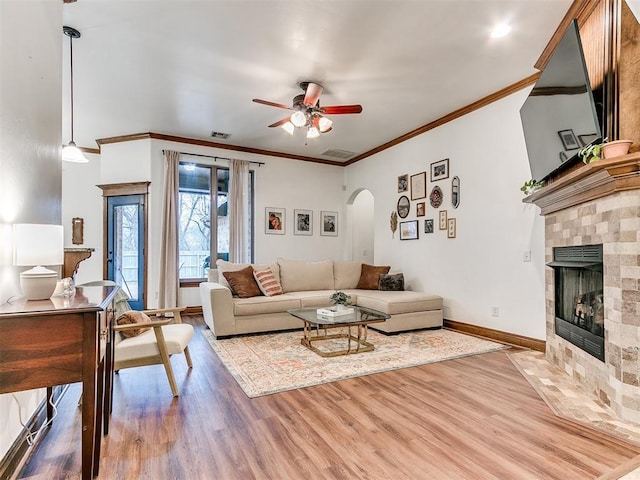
x: 198, y: 213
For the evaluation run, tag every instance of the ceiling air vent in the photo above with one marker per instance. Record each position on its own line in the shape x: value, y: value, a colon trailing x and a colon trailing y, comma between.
x: 334, y: 152
x: 224, y: 136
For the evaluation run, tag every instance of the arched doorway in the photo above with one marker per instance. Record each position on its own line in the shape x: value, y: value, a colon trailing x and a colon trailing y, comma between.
x: 362, y: 225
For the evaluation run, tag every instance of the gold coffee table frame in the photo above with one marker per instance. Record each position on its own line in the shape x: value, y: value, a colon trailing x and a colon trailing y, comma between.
x: 356, y: 340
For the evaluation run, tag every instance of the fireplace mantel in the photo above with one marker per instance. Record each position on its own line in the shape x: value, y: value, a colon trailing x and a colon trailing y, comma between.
x: 592, y: 181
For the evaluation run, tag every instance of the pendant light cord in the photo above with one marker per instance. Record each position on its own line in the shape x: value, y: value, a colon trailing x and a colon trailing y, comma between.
x: 71, y: 65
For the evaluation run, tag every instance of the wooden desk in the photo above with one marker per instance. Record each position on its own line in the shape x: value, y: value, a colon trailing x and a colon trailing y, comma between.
x: 63, y: 340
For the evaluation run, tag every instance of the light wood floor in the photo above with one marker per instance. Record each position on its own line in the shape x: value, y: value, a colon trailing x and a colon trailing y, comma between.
x: 471, y: 418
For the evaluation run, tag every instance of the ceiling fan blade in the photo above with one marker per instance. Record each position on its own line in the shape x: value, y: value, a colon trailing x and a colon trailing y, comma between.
x: 312, y: 95
x: 341, y: 109
x: 280, y: 122
x: 272, y: 104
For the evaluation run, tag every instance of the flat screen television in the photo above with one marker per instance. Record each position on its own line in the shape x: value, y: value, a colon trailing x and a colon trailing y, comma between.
x: 560, y: 115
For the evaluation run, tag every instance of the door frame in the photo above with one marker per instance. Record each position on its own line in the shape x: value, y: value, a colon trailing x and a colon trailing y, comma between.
x: 117, y: 190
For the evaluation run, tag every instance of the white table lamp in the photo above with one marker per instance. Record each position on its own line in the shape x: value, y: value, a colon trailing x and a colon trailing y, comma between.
x: 37, y: 245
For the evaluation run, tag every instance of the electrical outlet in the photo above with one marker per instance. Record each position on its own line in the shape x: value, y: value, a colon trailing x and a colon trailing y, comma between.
x: 526, y: 256
x: 495, y: 311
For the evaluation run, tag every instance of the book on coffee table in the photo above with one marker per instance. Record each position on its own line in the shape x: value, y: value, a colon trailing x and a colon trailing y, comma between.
x: 333, y: 312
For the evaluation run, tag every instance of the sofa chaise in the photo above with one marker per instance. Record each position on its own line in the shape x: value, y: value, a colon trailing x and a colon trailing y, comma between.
x: 309, y: 284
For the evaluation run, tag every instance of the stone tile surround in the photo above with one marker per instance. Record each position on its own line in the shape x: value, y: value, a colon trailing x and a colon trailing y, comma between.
x: 614, y: 221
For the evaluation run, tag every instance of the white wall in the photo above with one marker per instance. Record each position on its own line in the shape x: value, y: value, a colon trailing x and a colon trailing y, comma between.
x: 483, y: 266
x: 30, y: 140
x: 82, y: 198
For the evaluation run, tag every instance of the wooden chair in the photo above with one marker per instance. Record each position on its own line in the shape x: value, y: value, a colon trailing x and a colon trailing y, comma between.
x: 167, y: 336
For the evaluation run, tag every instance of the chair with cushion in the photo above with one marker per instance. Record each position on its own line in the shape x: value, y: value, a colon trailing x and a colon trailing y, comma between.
x: 148, y: 337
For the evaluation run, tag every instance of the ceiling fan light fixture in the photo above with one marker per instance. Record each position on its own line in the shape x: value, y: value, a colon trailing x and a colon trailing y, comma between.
x: 324, y: 124
x: 298, y: 119
x: 71, y: 153
x: 288, y: 127
x: 313, y: 132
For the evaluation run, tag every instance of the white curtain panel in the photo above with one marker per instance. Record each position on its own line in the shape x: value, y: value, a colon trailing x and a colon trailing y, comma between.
x: 168, y: 289
x: 238, y: 211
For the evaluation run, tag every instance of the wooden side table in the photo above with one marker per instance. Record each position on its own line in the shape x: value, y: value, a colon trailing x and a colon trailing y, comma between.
x: 64, y: 340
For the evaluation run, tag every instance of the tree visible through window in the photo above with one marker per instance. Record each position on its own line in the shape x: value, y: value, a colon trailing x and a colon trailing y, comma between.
x: 197, y: 216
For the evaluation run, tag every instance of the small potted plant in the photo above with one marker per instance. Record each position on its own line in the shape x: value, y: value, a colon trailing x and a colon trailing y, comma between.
x: 616, y: 148
x: 531, y: 186
x: 340, y: 299
x: 591, y: 153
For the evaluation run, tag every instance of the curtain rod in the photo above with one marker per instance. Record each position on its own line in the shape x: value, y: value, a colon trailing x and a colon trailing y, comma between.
x: 215, y: 157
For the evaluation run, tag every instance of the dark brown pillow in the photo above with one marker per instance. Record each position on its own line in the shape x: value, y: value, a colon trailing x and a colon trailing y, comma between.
x: 242, y: 282
x: 370, y: 276
x: 133, y: 316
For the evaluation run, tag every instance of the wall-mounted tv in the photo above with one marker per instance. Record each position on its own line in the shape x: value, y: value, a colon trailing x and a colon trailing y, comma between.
x: 560, y: 115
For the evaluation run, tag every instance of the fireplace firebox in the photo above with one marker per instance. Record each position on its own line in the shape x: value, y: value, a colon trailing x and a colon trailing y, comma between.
x: 579, y: 301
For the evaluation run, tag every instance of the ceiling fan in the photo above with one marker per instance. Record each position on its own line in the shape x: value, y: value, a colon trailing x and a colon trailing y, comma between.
x: 307, y: 111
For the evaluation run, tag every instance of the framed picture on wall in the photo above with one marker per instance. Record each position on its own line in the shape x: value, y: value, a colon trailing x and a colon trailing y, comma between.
x: 403, y: 183
x: 420, y: 209
x: 274, y: 220
x: 428, y: 225
x: 440, y: 170
x: 403, y: 206
x: 302, y: 222
x: 418, y: 186
x: 442, y: 220
x: 451, y: 228
x: 409, y: 230
x: 329, y: 224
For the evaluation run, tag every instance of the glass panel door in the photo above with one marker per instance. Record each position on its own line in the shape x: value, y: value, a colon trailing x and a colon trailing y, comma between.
x: 125, y: 244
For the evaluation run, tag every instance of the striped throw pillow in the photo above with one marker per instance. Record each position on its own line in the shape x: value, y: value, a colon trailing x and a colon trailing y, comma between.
x: 267, y: 282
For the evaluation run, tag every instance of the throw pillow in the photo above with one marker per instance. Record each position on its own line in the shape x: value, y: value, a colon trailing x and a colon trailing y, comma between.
x: 133, y: 316
x: 242, y: 282
x: 392, y: 283
x: 370, y: 276
x: 268, y: 283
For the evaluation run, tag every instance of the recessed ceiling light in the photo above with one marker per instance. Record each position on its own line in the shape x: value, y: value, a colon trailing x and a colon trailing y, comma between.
x: 500, y: 30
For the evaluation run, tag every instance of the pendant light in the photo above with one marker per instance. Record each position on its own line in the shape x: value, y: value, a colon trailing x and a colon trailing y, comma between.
x: 71, y: 153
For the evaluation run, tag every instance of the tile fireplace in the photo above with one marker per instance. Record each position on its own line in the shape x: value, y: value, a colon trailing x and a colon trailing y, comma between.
x: 596, y: 208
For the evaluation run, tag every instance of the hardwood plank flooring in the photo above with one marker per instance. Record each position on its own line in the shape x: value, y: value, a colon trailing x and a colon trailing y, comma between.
x: 469, y: 418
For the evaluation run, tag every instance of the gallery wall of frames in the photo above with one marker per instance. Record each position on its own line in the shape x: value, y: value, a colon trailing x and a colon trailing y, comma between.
x: 275, y: 222
x: 426, y: 203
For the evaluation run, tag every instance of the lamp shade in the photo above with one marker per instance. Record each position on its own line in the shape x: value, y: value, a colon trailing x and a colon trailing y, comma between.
x: 38, y: 245
x: 73, y: 154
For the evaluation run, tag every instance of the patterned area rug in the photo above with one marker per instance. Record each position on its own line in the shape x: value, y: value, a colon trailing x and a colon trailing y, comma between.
x: 276, y: 362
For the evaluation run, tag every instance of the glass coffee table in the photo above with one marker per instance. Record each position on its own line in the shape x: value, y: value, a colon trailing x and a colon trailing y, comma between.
x: 316, y: 329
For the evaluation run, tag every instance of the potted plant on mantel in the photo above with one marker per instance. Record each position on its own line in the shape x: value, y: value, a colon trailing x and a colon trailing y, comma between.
x: 594, y: 152
x: 531, y: 186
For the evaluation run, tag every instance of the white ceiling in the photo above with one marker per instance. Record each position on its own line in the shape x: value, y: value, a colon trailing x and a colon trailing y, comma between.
x: 188, y: 68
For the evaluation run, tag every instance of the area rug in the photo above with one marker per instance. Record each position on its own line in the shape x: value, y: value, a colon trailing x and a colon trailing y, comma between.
x: 276, y: 362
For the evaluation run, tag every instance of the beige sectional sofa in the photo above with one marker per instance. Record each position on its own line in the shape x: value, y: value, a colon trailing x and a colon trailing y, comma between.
x: 309, y: 284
